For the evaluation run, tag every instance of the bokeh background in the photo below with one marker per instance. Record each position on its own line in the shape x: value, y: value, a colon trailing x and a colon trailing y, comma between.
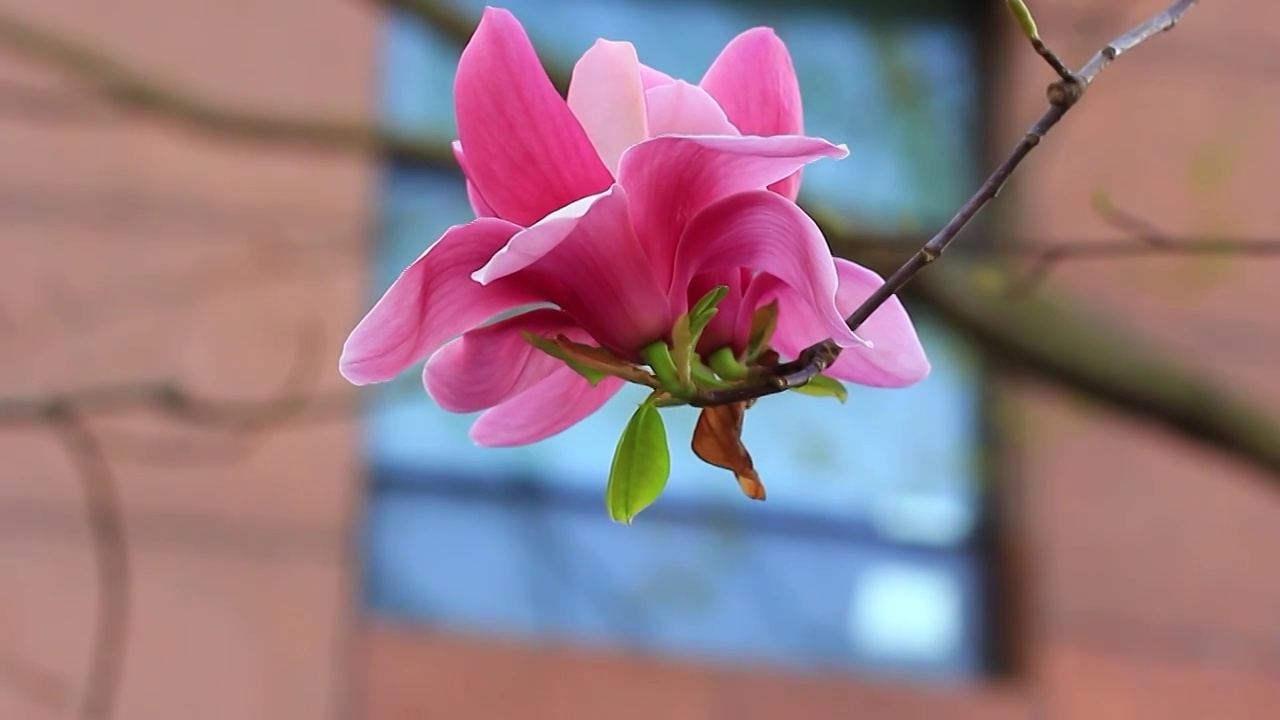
x: 1072, y: 517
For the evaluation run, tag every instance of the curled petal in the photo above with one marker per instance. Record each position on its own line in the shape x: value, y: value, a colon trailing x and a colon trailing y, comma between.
x: 433, y: 300
x: 547, y: 408
x: 765, y: 231
x: 895, y: 357
x: 488, y: 365
x: 478, y: 204
x: 527, y: 153
x: 609, y: 100
x: 754, y: 80
x: 679, y: 108
x: 587, y: 260
x: 669, y: 179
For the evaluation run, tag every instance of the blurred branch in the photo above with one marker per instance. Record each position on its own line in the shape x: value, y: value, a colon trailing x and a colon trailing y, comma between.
x: 67, y: 415
x: 1042, y: 336
x: 127, y: 88
x: 111, y: 563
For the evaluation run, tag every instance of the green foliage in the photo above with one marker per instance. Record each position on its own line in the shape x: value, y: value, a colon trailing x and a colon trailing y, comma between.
x: 823, y: 386
x: 641, y: 465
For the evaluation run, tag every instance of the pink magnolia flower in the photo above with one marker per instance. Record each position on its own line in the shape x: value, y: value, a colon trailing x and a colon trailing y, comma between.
x: 609, y: 214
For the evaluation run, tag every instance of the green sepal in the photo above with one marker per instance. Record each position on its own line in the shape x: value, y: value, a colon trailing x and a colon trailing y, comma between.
x: 593, y: 363
x: 641, y: 465
x: 726, y: 364
x: 659, y: 358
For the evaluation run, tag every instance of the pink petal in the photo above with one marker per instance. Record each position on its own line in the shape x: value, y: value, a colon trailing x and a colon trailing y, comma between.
x: 488, y: 365
x: 679, y: 108
x: 588, y: 261
x: 653, y: 78
x: 547, y: 408
x: 669, y: 179
x: 478, y: 203
x: 895, y: 359
x: 433, y: 300
x: 765, y: 231
x: 607, y: 97
x: 526, y: 152
x: 754, y: 80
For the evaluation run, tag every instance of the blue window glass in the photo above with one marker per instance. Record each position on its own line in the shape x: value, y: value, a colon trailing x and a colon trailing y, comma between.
x: 865, y: 556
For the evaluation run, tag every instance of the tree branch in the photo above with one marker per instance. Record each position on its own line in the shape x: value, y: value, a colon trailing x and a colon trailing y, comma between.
x: 1041, y: 336
x: 132, y: 90
x: 1063, y: 95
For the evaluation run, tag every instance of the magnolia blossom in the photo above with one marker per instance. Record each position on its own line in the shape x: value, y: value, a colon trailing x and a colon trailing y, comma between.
x: 605, y: 216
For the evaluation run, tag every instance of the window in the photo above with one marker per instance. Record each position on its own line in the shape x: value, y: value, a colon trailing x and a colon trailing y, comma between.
x: 866, y: 556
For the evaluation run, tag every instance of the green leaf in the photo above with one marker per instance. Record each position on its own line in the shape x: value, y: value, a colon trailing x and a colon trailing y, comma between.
x: 763, y: 323
x: 823, y: 386
x: 682, y: 342
x: 593, y: 363
x: 641, y: 465
x: 704, y: 310
x: 550, y: 347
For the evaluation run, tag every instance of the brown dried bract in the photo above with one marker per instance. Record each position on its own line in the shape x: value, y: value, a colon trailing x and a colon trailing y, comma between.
x: 717, y: 439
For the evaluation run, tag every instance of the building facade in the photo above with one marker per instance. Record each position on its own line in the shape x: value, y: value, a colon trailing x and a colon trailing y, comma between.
x: 1042, y: 555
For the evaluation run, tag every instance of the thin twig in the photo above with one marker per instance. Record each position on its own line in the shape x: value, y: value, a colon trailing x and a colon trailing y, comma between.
x: 111, y: 563
x: 1063, y: 95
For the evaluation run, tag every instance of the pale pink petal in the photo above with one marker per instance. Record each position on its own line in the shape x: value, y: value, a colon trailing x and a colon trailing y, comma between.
x: 669, y: 179
x: 478, y: 203
x: 547, y: 408
x: 765, y: 231
x: 588, y: 261
x: 679, y: 108
x: 526, y: 152
x: 895, y: 358
x: 607, y: 97
x: 432, y: 301
x: 754, y: 80
x: 653, y: 78
x: 488, y: 365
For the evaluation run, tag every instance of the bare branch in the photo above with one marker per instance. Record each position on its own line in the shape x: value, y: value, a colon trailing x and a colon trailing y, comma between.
x: 111, y: 563
x: 1063, y: 95
x: 129, y: 88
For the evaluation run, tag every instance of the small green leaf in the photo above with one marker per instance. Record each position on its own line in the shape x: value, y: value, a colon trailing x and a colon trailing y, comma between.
x: 704, y: 310
x: 641, y: 465
x: 763, y: 323
x: 682, y: 342
x: 1023, y: 15
x: 550, y: 347
x: 593, y: 363
x: 823, y: 386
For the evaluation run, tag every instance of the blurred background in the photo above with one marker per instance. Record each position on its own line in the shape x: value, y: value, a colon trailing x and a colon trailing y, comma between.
x: 1072, y: 517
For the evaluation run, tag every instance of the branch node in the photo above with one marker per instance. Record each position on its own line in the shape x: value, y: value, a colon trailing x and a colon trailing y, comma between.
x: 1066, y: 92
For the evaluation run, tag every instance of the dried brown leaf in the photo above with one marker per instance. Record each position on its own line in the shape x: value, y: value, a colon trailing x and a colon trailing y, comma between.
x: 717, y: 439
